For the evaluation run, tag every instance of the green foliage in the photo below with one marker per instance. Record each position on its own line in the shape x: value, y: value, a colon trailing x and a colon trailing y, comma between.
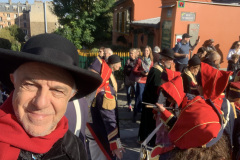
x: 84, y: 22
x: 9, y: 38
x: 17, y: 33
x: 94, y: 50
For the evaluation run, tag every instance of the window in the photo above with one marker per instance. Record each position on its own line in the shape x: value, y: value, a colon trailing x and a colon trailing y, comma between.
x: 15, y: 15
x: 127, y: 21
x: 123, y: 21
x: 120, y: 22
x: 8, y: 15
x: 25, y: 25
x: 14, y: 8
x: 117, y: 22
x: 25, y: 31
x: 0, y: 18
x: 9, y: 23
x: 1, y: 26
x: 7, y: 8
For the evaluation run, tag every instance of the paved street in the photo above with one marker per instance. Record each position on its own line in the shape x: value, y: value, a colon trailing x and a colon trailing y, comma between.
x: 128, y: 129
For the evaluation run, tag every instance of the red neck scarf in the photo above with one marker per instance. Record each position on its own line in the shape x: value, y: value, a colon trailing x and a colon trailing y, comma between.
x: 13, y: 137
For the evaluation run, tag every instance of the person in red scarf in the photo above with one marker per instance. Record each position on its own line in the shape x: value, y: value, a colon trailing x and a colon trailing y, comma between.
x: 43, y: 77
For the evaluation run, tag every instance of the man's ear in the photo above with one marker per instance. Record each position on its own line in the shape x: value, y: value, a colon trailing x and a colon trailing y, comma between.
x: 12, y: 78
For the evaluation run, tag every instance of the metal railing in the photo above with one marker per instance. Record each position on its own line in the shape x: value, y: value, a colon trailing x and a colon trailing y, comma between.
x: 87, y: 57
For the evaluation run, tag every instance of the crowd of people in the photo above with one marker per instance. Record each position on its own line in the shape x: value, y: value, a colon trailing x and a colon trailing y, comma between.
x: 195, y: 79
x: 51, y: 106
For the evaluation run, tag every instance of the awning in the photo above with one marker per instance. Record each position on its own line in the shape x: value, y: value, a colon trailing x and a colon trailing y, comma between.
x: 168, y: 6
x: 152, y: 22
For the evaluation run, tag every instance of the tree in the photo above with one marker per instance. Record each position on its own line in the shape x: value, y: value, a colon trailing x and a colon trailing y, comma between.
x: 9, y: 38
x: 17, y: 33
x: 84, y: 22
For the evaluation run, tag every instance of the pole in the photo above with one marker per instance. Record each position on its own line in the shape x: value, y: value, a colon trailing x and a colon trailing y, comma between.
x: 45, y: 17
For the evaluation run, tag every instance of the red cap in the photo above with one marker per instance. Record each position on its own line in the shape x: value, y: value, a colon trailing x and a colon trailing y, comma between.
x: 214, y: 81
x: 175, y: 89
x: 197, y: 124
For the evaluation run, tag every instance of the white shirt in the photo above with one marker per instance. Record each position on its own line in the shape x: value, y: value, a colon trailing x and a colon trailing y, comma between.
x: 231, y: 52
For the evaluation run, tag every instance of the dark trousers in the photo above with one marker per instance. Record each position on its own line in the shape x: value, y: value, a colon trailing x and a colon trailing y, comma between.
x: 129, y: 90
x: 180, y: 67
x: 138, y: 98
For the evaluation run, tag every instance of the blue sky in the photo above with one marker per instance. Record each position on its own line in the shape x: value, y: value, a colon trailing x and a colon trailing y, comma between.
x: 21, y: 1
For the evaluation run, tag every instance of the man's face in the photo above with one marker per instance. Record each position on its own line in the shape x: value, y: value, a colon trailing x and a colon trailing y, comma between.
x: 211, y: 43
x: 167, y: 62
x: 117, y: 66
x: 41, y: 96
x: 106, y: 54
x: 186, y: 40
x: 101, y: 52
x: 217, y: 62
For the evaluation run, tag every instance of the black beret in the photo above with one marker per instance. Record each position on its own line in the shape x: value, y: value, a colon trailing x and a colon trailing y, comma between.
x: 195, y: 60
x: 114, y: 59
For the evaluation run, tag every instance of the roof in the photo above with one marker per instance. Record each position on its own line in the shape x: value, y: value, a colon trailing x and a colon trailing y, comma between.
x: 118, y: 2
x: 152, y: 22
x: 12, y: 8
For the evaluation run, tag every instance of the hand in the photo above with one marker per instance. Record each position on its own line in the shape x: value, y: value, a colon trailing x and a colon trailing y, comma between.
x: 198, y: 40
x: 144, y: 73
x: 118, y: 152
x: 160, y: 107
x: 186, y: 55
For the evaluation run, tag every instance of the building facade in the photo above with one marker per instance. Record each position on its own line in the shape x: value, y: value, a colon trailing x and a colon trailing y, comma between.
x: 136, y: 23
x: 42, y: 19
x: 15, y: 13
x: 33, y: 19
x: 203, y: 18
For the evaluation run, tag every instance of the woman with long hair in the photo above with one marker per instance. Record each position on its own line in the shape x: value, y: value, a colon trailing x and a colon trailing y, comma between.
x: 235, y: 49
x: 141, y: 69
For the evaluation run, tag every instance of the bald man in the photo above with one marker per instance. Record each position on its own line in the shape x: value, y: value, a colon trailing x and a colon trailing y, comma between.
x: 213, y: 59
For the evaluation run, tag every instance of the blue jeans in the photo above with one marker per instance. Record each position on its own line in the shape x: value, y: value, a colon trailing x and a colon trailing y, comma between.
x: 138, y: 98
x: 128, y: 91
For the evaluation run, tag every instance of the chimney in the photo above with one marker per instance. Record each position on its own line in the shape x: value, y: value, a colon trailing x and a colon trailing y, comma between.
x: 10, y: 2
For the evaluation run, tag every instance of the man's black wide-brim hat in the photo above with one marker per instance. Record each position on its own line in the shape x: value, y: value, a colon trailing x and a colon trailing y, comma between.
x: 167, y: 52
x: 50, y: 49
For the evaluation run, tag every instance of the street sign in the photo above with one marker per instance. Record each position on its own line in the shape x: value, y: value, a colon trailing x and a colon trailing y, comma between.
x: 188, y: 16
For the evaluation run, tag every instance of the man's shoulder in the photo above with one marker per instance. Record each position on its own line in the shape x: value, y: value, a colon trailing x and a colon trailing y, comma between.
x: 73, y: 146
x: 157, y: 68
x: 96, y: 65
